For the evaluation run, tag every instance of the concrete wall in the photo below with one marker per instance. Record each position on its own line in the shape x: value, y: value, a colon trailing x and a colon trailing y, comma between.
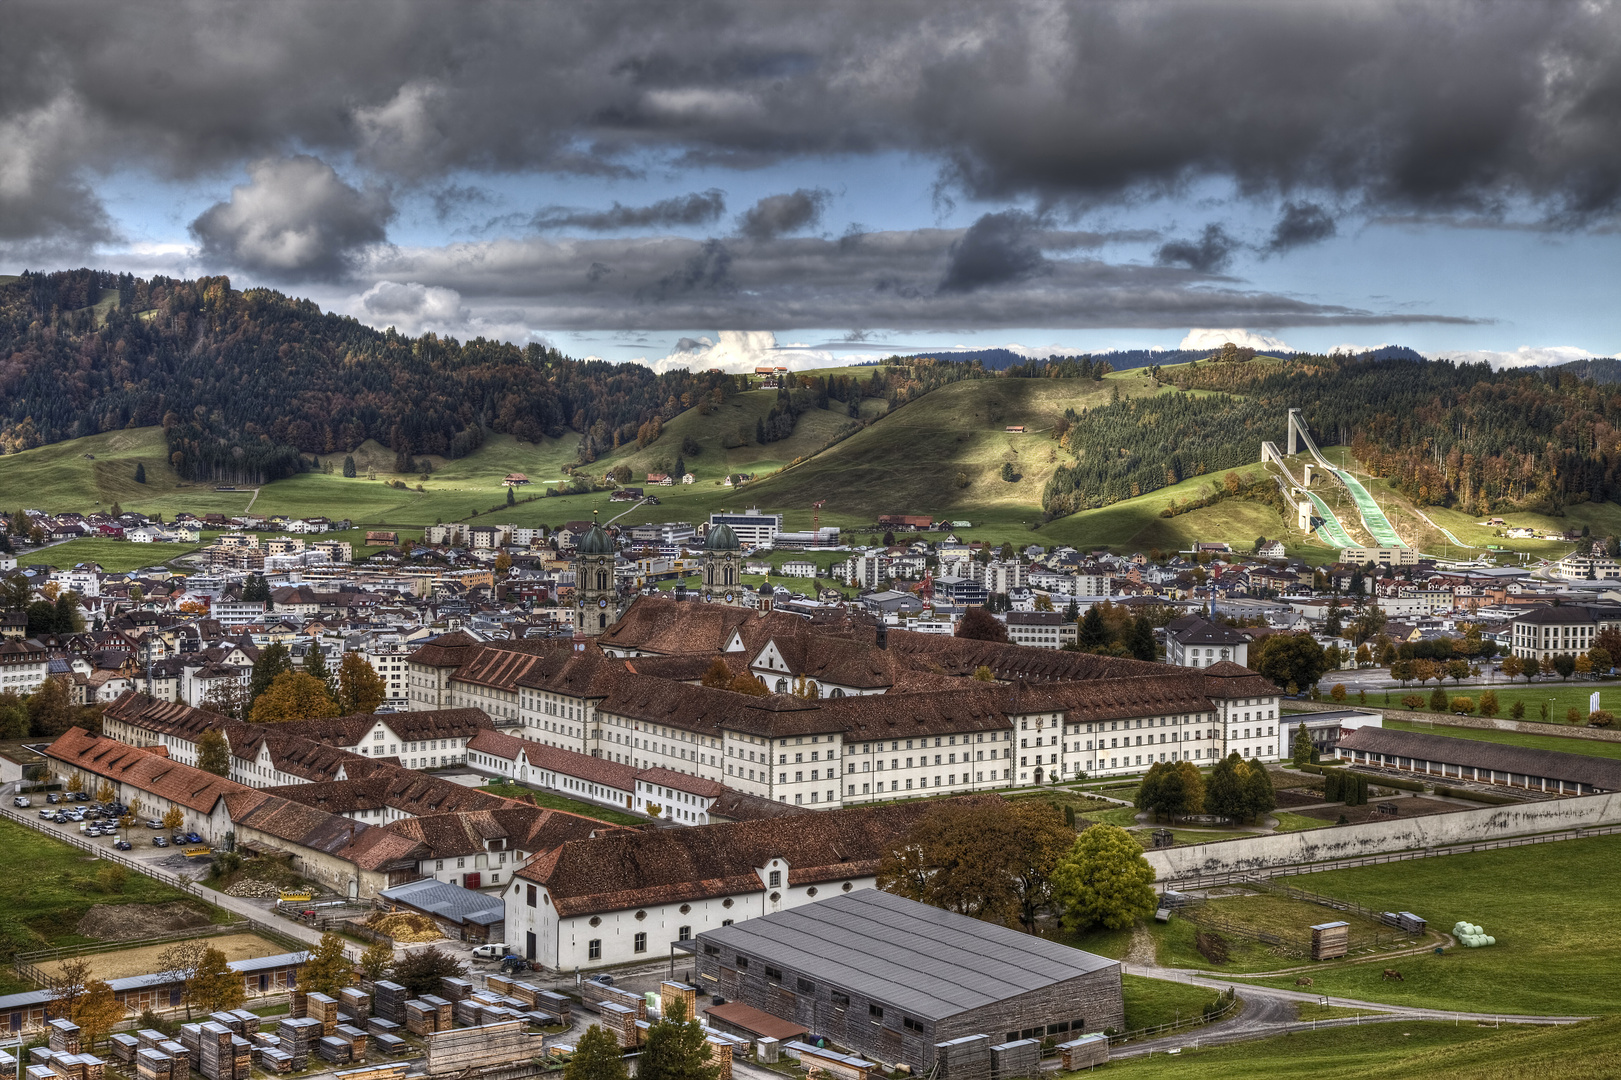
x: 1380, y: 837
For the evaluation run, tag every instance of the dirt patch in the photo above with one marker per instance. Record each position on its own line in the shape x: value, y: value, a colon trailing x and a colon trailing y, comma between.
x: 1293, y: 797
x: 1142, y: 950
x: 127, y: 922
x: 143, y: 960
x: 1405, y: 808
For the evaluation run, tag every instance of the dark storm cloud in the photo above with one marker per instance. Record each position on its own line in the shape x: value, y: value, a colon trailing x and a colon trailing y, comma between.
x: 1301, y: 223
x: 1210, y: 253
x: 1446, y: 106
x: 996, y: 250
x: 779, y: 215
x: 1006, y: 270
x: 696, y: 208
x: 296, y: 219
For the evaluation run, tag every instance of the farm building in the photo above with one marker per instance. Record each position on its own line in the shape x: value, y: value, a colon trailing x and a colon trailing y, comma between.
x: 1480, y: 762
x: 889, y: 978
x: 464, y: 914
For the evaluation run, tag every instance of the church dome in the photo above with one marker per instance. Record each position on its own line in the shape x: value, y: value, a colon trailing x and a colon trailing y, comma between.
x: 596, y: 542
x: 722, y: 538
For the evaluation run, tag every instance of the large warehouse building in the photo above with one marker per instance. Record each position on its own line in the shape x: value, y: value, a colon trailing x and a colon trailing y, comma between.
x: 1552, y: 771
x: 888, y: 978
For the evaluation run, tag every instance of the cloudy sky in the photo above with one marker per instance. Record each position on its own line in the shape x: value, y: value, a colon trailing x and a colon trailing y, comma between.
x: 722, y: 182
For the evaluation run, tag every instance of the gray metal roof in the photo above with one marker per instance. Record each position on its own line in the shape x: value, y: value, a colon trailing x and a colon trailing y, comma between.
x: 449, y: 901
x: 928, y: 963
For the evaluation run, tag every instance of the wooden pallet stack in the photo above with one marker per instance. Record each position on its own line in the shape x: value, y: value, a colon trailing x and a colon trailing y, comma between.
x: 152, y: 1065
x: 556, y: 1004
x: 374, y: 1072
x: 720, y: 1055
x: 355, y: 1037
x: 324, y: 1009
x: 594, y: 994
x: 356, y: 1002
x: 688, y: 994
x: 64, y: 1036
x: 462, y: 1049
x: 524, y: 992
x: 443, y: 1007
x: 388, y: 1001
x: 335, y: 1050
x: 421, y: 1019
x: 376, y: 1025
x: 620, y: 1022
x: 297, y: 1036
x: 179, y: 1058
x: 455, y: 989
x: 499, y: 984
x: 40, y: 1055
x: 39, y: 1072
x: 273, y: 1059
x: 124, y: 1047
x: 248, y: 1023
x: 392, y: 1045
x: 214, y: 1057
x: 298, y: 1005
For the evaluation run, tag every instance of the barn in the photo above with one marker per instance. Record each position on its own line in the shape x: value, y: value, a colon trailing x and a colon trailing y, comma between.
x: 888, y: 978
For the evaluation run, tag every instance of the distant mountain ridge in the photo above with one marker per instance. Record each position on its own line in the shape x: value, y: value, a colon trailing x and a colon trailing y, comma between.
x: 1127, y: 359
x: 1600, y: 369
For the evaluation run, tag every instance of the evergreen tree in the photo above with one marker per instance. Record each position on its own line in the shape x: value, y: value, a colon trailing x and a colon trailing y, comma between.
x: 1259, y: 797
x: 1302, y: 745
x: 1332, y: 625
x: 676, y: 1049
x: 1092, y: 633
x: 1438, y: 699
x: 680, y: 468
x: 596, y: 1056
x: 1071, y: 611
x: 213, y: 753
x: 140, y: 473
x: 1225, y: 795
x: 315, y: 664
x: 349, y: 466
x: 1142, y: 639
x: 511, y: 498
x: 274, y: 660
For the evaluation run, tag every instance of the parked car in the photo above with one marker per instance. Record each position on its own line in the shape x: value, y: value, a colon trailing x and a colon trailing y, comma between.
x: 193, y: 838
x: 53, y: 798
x: 491, y: 951
x: 47, y: 812
x: 82, y: 796
x: 122, y: 845
x: 21, y: 800
x: 605, y: 980
x: 154, y: 823
x: 158, y: 841
x: 60, y: 818
x: 179, y: 839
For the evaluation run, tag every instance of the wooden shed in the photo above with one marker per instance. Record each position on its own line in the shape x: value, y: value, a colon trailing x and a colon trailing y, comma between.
x: 1330, y: 940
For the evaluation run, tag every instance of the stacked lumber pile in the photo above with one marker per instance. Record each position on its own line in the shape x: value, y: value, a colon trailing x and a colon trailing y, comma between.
x: 388, y: 1001
x: 123, y: 1046
x: 454, y: 989
x: 421, y: 1019
x: 64, y: 1037
x: 373, y: 1072
x: 8, y: 1065
x: 152, y: 1065
x: 356, y: 1002
x: 558, y: 1005
x: 298, y: 1005
x: 355, y: 1037
x: 297, y: 1037
x: 376, y: 1025
x: 595, y: 993
x: 333, y: 1049
x: 620, y: 1022
x: 685, y: 992
x: 324, y: 1009
x: 442, y: 1007
x: 480, y: 1047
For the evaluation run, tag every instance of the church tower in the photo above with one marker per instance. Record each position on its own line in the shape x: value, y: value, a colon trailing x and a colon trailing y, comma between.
x: 722, y: 567
x: 596, y: 597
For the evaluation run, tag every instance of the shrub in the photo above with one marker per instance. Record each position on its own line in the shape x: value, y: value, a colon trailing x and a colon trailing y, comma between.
x: 1464, y: 705
x: 1601, y: 718
x: 1517, y: 710
x: 1488, y: 703
x: 1416, y: 701
x: 111, y: 879
x: 1573, y: 715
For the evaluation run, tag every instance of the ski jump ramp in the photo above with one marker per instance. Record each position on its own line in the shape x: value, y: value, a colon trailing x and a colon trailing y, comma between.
x: 1332, y: 532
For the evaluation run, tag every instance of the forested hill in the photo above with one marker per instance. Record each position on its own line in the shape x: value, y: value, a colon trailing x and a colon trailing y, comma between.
x: 246, y: 381
x: 1444, y: 434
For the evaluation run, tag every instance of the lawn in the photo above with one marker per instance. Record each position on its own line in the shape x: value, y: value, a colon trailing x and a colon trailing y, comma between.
x: 1436, y: 1051
x: 1288, y: 822
x: 115, y: 556
x: 559, y: 802
x: 1559, y: 697
x: 1543, y: 903
x: 1152, y: 1002
x: 1590, y: 747
x: 1290, y: 920
x: 49, y: 888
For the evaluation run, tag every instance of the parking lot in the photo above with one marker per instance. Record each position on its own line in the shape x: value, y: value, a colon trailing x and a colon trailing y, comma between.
x: 89, y: 821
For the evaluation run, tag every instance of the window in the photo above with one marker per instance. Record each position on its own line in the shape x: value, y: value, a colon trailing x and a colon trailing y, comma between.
x: 593, y: 949
x: 773, y: 974
x: 775, y: 881
x: 711, y: 950
x: 683, y: 933
x: 840, y: 1001
x: 742, y: 961
x: 641, y: 942
x: 911, y: 1025
x: 531, y: 896
x: 875, y: 1013
x: 805, y: 986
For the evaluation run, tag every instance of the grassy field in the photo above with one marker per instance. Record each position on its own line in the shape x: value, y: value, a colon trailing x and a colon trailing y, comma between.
x: 115, y: 556
x: 1288, y: 822
x: 559, y: 802
x: 1559, y: 698
x: 97, y: 471
x: 1288, y: 919
x: 1542, y: 902
x: 1590, y: 747
x: 50, y: 887
x: 1152, y: 1002
x: 1436, y: 1051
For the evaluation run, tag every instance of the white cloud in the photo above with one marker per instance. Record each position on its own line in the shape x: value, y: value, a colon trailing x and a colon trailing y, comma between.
x: 742, y: 350
x: 1524, y: 356
x: 1202, y: 338
x: 413, y: 308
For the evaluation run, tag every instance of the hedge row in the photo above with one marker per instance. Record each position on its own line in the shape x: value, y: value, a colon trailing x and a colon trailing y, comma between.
x: 1489, y: 797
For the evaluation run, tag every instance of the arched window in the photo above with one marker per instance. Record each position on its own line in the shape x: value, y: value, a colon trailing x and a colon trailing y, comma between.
x: 602, y: 579
x: 782, y: 686
x: 837, y: 692
x: 728, y: 575
x: 602, y: 622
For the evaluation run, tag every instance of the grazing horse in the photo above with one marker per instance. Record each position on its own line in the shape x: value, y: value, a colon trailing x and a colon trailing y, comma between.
x: 1303, y: 981
x: 1392, y: 973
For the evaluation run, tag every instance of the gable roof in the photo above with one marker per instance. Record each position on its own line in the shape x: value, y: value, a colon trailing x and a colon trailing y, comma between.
x: 181, y: 784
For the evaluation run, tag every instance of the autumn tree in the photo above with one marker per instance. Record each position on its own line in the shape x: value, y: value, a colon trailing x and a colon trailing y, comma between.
x: 377, y: 961
x: 213, y: 986
x: 67, y: 985
x: 50, y: 708
x: 956, y: 856
x: 327, y: 970
x: 1512, y: 667
x: 173, y: 818
x: 1040, y: 837
x: 1103, y: 881
x: 180, y: 962
x: 980, y: 625
x: 1171, y: 789
x: 293, y: 696
x: 97, y: 1012
x: 596, y: 1056
x: 214, y: 753
x: 360, y: 688
x: 717, y: 675
x: 751, y: 685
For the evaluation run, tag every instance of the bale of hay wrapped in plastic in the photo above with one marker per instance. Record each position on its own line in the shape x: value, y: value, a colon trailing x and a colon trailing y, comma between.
x: 1471, y: 936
